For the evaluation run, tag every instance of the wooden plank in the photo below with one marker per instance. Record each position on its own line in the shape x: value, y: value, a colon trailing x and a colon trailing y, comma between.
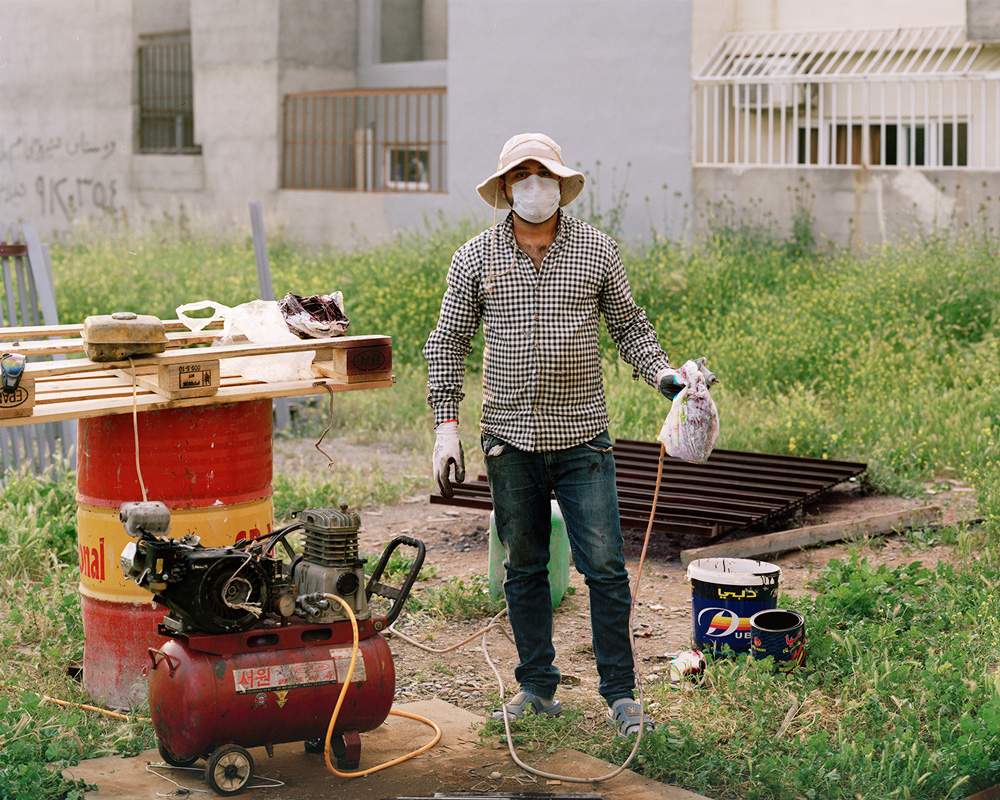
x: 194, y: 354
x: 75, y: 388
x: 771, y: 543
x: 357, y: 364
x: 19, y: 403
x: 993, y: 793
x: 173, y: 381
x: 49, y: 347
x: 20, y: 334
x: 101, y: 406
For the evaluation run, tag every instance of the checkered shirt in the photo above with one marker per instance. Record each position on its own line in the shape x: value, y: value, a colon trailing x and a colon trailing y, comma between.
x: 543, y: 387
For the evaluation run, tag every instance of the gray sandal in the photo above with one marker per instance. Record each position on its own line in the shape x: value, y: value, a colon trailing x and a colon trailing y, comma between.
x: 523, y: 702
x: 626, y: 716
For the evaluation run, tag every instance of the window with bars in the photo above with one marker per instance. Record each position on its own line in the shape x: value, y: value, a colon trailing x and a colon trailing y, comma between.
x: 166, y: 94
x: 365, y: 140
x: 890, y: 144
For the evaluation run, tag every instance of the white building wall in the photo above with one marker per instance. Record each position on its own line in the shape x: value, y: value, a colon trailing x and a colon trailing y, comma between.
x: 852, y: 207
x: 850, y: 204
x: 65, y: 110
x: 609, y: 79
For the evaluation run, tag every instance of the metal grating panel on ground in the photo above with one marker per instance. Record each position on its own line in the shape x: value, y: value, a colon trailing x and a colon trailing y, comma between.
x: 730, y: 492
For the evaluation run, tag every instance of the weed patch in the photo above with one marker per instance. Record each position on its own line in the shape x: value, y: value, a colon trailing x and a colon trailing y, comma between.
x: 891, y: 358
x: 457, y: 598
x: 898, y: 697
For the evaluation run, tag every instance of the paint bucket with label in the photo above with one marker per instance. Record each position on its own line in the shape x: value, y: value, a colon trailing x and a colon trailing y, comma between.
x: 780, y: 634
x: 725, y: 594
x: 211, y: 466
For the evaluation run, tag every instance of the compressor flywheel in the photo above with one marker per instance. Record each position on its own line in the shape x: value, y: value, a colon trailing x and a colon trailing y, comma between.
x: 232, y: 595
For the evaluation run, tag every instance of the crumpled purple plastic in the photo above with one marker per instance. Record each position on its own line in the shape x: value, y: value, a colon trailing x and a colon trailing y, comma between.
x: 317, y: 317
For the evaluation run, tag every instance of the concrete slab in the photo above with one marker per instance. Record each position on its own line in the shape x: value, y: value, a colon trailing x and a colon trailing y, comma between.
x: 458, y: 763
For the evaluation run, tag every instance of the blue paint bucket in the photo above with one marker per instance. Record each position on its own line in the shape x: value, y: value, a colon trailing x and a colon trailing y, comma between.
x: 779, y: 634
x: 725, y: 594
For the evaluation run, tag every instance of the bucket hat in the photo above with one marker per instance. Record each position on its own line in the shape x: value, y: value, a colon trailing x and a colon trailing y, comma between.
x: 531, y: 147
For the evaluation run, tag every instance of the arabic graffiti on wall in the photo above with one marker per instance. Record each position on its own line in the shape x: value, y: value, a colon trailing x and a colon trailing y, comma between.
x: 57, y: 177
x: 74, y: 196
x: 40, y: 149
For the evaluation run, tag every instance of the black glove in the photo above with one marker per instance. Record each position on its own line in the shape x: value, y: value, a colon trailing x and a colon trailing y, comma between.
x: 669, y: 386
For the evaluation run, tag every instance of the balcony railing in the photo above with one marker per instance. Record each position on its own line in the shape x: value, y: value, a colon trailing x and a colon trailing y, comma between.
x: 365, y: 140
x: 906, y: 97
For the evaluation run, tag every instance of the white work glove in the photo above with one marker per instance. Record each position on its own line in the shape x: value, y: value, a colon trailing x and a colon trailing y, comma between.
x: 668, y: 383
x: 448, y: 451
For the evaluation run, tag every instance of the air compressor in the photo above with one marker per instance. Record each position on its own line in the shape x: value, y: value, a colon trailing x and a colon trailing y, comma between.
x: 256, y: 652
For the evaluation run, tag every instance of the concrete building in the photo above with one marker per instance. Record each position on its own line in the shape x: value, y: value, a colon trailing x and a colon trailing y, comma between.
x: 348, y: 120
x: 351, y: 120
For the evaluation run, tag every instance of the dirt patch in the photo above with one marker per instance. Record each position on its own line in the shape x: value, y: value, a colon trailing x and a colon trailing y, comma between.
x: 457, y: 542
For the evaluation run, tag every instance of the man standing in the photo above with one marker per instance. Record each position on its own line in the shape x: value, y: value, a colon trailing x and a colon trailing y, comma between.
x: 538, y: 283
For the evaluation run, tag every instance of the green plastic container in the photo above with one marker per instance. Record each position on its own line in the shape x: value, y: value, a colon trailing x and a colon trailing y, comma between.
x: 558, y: 558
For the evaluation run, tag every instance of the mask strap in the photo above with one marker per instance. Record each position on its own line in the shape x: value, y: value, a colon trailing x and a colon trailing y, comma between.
x: 493, y: 243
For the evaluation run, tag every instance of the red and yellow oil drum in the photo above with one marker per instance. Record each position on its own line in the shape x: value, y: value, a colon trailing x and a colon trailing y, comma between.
x: 211, y: 465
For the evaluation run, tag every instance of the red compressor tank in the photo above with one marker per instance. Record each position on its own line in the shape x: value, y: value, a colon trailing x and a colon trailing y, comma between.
x: 268, y: 685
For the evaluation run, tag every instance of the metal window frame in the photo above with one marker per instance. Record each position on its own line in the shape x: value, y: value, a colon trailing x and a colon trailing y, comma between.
x: 165, y: 93
x: 344, y: 140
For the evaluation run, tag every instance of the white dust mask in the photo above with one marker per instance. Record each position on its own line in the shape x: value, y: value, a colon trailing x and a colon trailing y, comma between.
x: 536, y: 198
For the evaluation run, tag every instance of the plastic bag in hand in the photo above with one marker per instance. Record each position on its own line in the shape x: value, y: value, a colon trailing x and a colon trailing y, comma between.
x: 692, y: 424
x: 318, y: 317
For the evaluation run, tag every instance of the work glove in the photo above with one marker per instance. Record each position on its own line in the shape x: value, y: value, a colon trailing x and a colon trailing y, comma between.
x: 668, y: 383
x: 448, y: 451
x: 11, y: 370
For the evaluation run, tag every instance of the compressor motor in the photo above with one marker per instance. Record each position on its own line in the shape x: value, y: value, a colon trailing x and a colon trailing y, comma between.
x: 230, y: 589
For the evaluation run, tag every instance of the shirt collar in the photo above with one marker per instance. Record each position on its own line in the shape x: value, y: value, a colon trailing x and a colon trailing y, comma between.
x: 562, y: 228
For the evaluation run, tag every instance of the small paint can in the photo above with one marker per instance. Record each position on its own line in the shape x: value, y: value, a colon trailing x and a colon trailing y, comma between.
x: 780, y: 634
x: 686, y: 665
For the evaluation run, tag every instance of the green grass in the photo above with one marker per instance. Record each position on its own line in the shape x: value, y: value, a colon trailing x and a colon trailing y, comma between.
x: 40, y: 636
x: 37, y: 523
x: 899, y: 696
x: 356, y: 487
x: 890, y: 356
x: 457, y: 598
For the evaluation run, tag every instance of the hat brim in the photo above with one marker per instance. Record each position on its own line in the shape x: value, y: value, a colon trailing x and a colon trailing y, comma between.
x: 572, y: 182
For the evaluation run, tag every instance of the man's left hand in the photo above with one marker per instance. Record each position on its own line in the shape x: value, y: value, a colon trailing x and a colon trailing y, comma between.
x: 668, y: 383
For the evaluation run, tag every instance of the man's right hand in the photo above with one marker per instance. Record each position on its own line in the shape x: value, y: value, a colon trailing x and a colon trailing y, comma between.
x: 448, y: 451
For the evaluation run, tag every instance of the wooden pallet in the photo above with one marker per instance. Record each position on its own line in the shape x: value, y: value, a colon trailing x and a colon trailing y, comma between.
x: 188, y: 373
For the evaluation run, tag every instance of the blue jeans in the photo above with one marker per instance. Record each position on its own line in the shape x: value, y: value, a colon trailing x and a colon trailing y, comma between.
x: 583, y: 479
